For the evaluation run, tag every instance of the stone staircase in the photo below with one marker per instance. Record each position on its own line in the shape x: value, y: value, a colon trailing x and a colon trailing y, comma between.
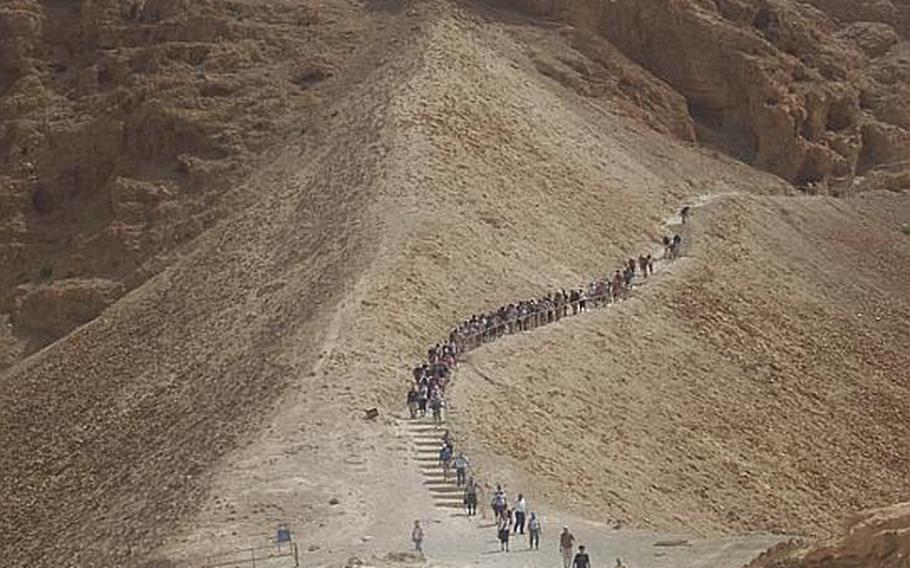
x: 426, y: 436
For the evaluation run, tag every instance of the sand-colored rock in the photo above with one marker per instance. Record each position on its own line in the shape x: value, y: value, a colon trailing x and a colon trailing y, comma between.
x: 876, y: 538
x: 775, y: 83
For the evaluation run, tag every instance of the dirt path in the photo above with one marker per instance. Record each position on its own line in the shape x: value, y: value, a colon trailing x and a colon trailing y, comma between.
x: 455, y: 539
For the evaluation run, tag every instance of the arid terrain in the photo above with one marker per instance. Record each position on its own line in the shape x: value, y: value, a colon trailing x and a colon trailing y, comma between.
x: 230, y: 227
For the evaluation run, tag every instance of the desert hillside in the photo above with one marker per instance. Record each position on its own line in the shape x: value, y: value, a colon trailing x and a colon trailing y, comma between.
x: 815, y: 92
x: 235, y: 225
x: 127, y: 129
x: 760, y: 385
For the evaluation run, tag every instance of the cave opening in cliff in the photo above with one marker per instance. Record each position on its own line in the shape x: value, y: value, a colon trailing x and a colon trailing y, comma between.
x: 715, y: 128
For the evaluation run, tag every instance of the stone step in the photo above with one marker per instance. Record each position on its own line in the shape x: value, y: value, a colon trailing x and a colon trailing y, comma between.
x: 446, y: 490
x: 458, y: 505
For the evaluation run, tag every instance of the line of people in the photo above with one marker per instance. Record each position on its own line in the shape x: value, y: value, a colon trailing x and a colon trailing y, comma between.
x: 428, y: 388
x: 529, y: 314
x: 427, y: 392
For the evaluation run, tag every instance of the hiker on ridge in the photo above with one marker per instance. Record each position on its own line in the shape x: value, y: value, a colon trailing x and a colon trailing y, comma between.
x: 412, y: 402
x: 503, y: 528
x: 470, y: 497
x: 445, y: 460
x: 499, y: 502
x: 643, y: 265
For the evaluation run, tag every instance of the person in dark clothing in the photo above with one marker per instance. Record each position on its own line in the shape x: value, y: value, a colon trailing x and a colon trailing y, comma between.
x: 470, y: 497
x: 684, y: 214
x: 582, y: 560
x: 412, y: 402
x: 504, y: 532
x: 674, y: 246
x: 422, y: 395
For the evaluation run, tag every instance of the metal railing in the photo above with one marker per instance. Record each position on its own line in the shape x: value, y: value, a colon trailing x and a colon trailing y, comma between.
x: 284, y: 554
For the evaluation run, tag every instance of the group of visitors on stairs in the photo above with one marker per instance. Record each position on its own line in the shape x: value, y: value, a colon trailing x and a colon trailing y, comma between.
x: 428, y: 388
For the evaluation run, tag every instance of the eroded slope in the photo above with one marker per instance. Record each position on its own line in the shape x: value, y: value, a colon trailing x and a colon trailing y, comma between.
x: 110, y: 434
x: 124, y: 124
x: 815, y: 95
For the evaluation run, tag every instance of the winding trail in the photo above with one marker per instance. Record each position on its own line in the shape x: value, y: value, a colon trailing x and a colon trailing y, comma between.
x: 454, y: 539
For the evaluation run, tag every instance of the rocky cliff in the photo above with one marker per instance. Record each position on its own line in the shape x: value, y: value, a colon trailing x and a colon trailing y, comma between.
x: 123, y: 125
x: 816, y: 92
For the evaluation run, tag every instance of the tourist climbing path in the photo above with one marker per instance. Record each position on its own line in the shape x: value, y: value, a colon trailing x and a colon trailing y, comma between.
x: 453, y: 540
x: 426, y: 434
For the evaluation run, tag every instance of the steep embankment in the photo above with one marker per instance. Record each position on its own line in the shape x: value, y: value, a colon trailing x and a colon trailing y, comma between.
x: 760, y: 385
x: 453, y: 168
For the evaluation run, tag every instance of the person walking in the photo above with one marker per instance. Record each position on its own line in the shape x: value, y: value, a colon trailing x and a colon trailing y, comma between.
x: 445, y: 460
x: 504, y: 528
x: 582, y: 560
x: 412, y: 402
x: 417, y: 537
x: 470, y: 497
x: 499, y: 501
x: 461, y: 469
x: 521, y: 510
x: 566, y: 547
x: 534, y: 532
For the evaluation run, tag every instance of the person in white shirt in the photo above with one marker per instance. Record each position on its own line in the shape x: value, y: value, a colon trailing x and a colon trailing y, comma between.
x: 521, y: 511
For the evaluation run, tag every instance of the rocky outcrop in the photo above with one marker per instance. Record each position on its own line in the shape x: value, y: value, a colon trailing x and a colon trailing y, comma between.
x: 123, y: 122
x: 878, y: 538
x: 42, y: 310
x: 785, y: 86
